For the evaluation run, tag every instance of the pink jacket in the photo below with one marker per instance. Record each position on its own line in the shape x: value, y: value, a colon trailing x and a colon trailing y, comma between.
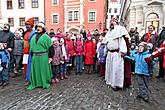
x: 79, y: 47
x: 57, y: 55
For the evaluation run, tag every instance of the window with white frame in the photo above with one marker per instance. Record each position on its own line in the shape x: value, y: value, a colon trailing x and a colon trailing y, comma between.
x: 22, y: 21
x: 34, y: 3
x: 73, y: 15
x: 55, y: 2
x: 92, y: 16
x: 21, y: 4
x: 55, y: 18
x: 11, y: 21
x: 9, y: 4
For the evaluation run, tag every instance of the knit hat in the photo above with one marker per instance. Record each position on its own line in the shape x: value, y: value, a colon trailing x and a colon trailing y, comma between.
x: 41, y: 24
x: 54, y: 39
x: 18, y: 32
x: 89, y: 35
x: 150, y: 45
x: 144, y: 44
x: 30, y: 21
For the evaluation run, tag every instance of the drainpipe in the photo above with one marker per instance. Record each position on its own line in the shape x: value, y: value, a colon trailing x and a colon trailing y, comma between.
x: 44, y: 13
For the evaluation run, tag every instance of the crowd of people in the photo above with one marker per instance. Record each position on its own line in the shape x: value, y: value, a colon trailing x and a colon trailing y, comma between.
x: 115, y: 54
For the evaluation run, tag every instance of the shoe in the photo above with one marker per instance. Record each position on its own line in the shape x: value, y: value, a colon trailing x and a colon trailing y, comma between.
x: 26, y: 83
x: 76, y: 73
x: 146, y: 99
x: 62, y: 76
x: 13, y: 75
x: 65, y: 76
x: 57, y: 80
x: 15, y: 71
x: 5, y: 83
x: 53, y: 81
x: 1, y: 83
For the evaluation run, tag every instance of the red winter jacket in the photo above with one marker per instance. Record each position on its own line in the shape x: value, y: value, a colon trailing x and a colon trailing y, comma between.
x: 160, y: 52
x: 70, y: 43
x: 79, y: 47
x: 89, y: 52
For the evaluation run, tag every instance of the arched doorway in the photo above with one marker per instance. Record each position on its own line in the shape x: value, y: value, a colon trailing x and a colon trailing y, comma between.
x: 152, y: 19
x: 73, y: 30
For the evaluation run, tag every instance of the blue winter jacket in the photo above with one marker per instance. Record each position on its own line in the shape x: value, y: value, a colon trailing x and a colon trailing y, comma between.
x: 141, y: 66
x: 3, y: 57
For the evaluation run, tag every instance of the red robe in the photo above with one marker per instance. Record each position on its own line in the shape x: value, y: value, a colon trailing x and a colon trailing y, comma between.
x: 127, y: 66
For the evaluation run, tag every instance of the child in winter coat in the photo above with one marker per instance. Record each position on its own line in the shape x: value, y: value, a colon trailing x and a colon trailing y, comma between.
x: 142, y: 71
x: 3, y: 67
x: 65, y: 55
x: 70, y: 43
x: 101, y: 56
x: 89, y: 54
x: 57, y: 59
x: 132, y: 53
x: 18, y: 52
x: 79, y: 54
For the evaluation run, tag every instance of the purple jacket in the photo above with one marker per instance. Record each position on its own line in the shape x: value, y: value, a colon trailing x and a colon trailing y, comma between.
x: 57, y: 55
x: 101, y: 57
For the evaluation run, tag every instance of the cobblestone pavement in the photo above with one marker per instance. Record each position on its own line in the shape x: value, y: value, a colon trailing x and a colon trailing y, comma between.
x: 79, y: 92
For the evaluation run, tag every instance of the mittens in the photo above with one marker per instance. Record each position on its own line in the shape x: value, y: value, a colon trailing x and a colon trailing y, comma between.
x: 148, y: 60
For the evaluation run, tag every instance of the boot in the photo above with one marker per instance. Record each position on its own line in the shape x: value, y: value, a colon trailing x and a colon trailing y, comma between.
x: 1, y: 83
x: 65, y: 76
x: 57, y: 80
x: 13, y: 75
x: 62, y: 76
x: 5, y: 83
x: 53, y: 81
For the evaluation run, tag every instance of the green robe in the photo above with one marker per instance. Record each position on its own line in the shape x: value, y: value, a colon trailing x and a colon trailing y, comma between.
x: 40, y: 68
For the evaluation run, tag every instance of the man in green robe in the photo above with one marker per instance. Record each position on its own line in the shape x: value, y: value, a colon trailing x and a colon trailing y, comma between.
x: 42, y: 52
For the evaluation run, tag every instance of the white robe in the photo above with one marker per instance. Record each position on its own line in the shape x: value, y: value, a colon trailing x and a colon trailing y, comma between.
x: 114, y: 74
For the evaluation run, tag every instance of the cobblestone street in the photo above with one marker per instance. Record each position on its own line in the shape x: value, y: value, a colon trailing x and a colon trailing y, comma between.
x: 79, y: 92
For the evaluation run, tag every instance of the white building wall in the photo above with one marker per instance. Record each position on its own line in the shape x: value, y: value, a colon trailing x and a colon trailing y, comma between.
x: 16, y: 13
x: 112, y: 6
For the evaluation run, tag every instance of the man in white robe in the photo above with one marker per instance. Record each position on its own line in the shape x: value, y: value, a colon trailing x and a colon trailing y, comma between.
x: 115, y: 49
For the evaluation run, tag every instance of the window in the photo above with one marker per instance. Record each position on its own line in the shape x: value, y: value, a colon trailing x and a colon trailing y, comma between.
x: 110, y: 10
x: 55, y: 18
x: 34, y: 3
x: 36, y: 20
x: 112, y: 16
x: 55, y: 2
x: 73, y: 16
x: 115, y: 10
x: 70, y: 16
x: 92, y: 16
x: 11, y: 21
x: 21, y: 4
x: 22, y: 21
x: 9, y: 4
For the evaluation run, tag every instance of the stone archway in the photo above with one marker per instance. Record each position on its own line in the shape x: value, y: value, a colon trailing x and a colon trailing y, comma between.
x: 153, y: 19
x: 73, y: 30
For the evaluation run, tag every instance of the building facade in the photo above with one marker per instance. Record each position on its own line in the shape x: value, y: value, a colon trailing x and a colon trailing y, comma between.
x: 113, y: 10
x: 16, y: 12
x: 142, y: 13
x: 72, y: 15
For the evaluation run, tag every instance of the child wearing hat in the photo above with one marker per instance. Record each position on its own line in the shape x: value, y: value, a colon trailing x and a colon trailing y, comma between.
x: 89, y: 54
x: 142, y: 71
x: 18, y: 52
x: 57, y: 59
x: 79, y: 53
